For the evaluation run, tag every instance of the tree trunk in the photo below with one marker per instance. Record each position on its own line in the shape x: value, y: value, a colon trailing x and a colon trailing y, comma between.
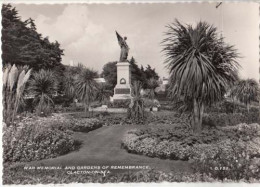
x: 198, y: 109
x: 86, y: 109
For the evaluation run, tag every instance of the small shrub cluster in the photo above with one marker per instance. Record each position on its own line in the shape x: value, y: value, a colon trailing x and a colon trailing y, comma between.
x: 224, y: 119
x: 180, y: 143
x: 84, y: 124
x: 36, y: 139
x: 164, y: 117
x: 229, y: 107
x: 120, y: 103
x: 61, y: 109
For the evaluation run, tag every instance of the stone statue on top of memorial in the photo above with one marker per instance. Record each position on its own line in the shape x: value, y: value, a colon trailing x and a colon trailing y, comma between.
x: 124, y: 47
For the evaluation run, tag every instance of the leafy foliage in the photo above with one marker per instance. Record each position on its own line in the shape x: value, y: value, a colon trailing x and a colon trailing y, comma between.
x: 110, y: 74
x: 246, y: 91
x: 137, y: 74
x: 233, y: 161
x: 42, y: 86
x: 82, y: 124
x: 223, y: 119
x: 14, y: 82
x: 120, y: 103
x: 86, y: 87
x: 179, y: 143
x: 103, y: 93
x: 152, y: 83
x: 136, y: 108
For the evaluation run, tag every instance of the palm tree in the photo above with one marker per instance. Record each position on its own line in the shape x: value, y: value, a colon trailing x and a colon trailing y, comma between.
x: 42, y: 86
x: 69, y: 77
x: 136, y: 107
x: 69, y: 84
x: 201, y: 66
x: 86, y: 87
x: 246, y: 91
x: 103, y: 93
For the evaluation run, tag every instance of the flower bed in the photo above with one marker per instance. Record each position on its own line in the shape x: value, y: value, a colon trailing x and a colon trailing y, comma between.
x: 227, y: 153
x: 224, y: 119
x: 84, y: 124
x: 36, y: 139
x: 180, y: 143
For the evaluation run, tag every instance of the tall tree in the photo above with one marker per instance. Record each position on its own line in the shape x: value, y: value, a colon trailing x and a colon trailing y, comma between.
x: 110, y: 74
x: 202, y: 67
x: 23, y: 45
x: 151, y: 85
x: 136, y: 73
x: 151, y: 73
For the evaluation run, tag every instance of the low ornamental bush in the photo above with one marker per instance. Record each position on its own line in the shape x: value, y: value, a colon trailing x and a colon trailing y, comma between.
x: 229, y: 107
x: 120, y: 103
x: 84, y: 124
x: 180, y: 144
x: 36, y: 139
x: 224, y: 119
x: 233, y: 160
x: 166, y: 117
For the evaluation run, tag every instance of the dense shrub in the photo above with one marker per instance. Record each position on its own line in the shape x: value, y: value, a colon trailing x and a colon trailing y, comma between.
x: 77, y: 122
x: 166, y: 117
x: 229, y: 107
x: 35, y: 139
x: 224, y: 119
x: 120, y: 103
x: 179, y: 142
x: 63, y: 100
x: 61, y: 109
x: 233, y: 160
x: 84, y: 124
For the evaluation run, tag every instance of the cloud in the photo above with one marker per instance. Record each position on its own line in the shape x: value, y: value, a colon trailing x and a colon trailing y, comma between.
x: 87, y: 32
x: 83, y: 40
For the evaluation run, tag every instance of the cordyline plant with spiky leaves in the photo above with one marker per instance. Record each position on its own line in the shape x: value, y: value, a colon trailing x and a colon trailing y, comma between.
x: 42, y: 86
x: 14, y: 82
x: 202, y: 67
x: 136, y: 108
x: 86, y: 87
x: 246, y: 91
x: 103, y: 93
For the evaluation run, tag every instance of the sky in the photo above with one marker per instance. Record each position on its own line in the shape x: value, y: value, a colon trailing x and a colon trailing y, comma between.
x: 86, y: 32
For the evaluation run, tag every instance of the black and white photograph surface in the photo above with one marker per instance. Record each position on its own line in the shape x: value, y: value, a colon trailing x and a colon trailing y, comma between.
x: 141, y: 92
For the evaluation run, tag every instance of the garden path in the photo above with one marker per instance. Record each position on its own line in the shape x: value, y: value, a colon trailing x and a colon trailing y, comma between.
x: 103, y: 147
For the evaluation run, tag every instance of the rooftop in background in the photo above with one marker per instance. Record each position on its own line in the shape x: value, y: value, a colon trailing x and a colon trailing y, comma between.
x: 100, y: 80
